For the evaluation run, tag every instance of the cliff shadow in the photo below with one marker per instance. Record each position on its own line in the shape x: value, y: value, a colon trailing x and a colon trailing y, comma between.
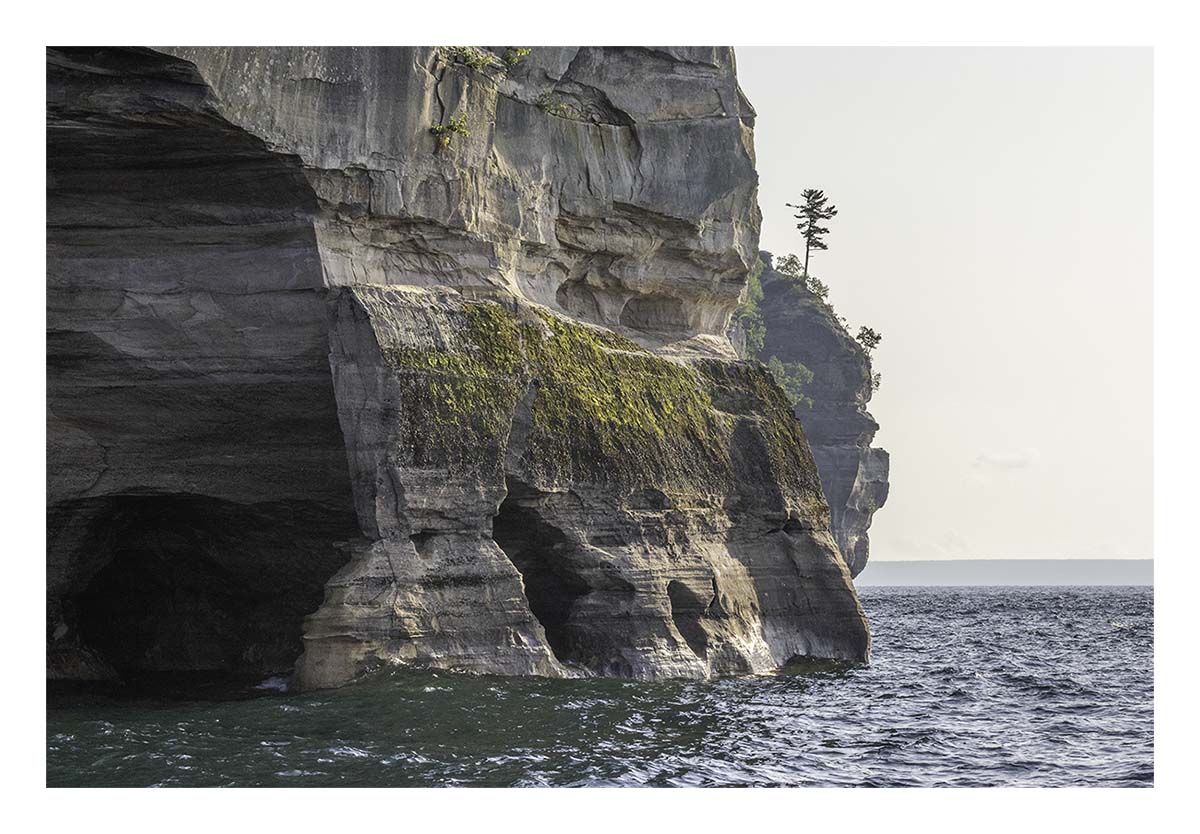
x: 187, y: 584
x: 539, y: 550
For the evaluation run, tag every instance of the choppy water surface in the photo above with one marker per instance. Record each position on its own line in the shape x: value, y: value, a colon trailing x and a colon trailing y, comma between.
x: 968, y: 686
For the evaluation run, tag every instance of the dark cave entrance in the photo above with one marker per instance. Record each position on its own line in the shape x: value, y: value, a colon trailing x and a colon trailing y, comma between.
x: 192, y: 585
x: 197, y: 472
x: 687, y: 609
x: 538, y: 550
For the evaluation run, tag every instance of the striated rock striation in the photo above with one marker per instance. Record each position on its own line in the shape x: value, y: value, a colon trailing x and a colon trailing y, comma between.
x: 801, y: 327
x: 329, y: 389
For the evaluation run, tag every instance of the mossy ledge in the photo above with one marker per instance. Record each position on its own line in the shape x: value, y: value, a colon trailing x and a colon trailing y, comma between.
x: 602, y: 409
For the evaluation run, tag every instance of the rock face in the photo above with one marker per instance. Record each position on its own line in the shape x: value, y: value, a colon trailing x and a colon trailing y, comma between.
x: 800, y: 327
x: 328, y: 391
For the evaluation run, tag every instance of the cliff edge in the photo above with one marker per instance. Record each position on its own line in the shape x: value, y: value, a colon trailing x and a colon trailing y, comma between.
x: 416, y: 355
x: 801, y: 327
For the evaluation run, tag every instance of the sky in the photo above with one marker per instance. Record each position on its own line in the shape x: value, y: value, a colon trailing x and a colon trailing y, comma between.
x: 995, y: 226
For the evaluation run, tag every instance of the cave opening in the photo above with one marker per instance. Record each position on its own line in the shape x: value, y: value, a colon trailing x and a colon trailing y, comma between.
x: 197, y: 477
x: 687, y: 609
x: 193, y: 586
x: 539, y: 551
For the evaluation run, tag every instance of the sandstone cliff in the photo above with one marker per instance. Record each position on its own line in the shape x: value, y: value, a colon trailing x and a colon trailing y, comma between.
x: 800, y: 327
x: 365, y: 355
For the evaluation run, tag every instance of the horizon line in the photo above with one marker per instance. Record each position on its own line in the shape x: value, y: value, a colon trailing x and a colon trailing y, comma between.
x: 1020, y: 559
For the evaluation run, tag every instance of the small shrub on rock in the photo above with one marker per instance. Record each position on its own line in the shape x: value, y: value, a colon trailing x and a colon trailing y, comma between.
x: 474, y: 57
x: 445, y: 133
x: 514, y: 54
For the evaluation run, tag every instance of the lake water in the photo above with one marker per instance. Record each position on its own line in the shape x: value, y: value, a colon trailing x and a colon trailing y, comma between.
x: 967, y: 686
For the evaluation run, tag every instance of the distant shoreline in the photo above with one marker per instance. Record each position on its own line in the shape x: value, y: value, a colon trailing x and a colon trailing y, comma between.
x: 1008, y: 572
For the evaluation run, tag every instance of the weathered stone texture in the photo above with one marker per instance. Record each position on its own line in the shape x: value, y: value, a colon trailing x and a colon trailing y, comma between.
x: 476, y: 397
x: 854, y: 474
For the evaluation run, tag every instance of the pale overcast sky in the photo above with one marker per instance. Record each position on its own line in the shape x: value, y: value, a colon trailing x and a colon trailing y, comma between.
x: 995, y: 226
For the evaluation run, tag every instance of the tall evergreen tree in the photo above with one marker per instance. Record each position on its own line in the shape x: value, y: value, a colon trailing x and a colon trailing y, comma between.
x: 814, y: 211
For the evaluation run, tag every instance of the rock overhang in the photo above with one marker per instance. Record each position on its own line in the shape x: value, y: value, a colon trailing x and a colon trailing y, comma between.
x: 305, y: 226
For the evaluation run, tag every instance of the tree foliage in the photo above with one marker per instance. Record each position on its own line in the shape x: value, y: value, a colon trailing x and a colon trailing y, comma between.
x: 748, y: 313
x: 456, y: 126
x: 869, y: 338
x: 791, y: 266
x: 814, y: 211
x: 483, y: 60
x: 513, y: 55
x: 792, y: 377
x: 472, y: 56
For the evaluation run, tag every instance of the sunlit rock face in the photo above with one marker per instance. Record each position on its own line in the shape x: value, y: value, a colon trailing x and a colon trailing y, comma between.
x: 326, y: 392
x: 800, y: 327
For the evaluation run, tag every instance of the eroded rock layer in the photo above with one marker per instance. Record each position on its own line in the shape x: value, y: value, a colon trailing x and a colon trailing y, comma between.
x: 800, y: 327
x: 463, y: 398
x: 196, y: 471
x: 539, y: 495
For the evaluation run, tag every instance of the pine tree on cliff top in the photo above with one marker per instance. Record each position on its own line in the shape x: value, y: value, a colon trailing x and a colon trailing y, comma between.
x: 813, y: 212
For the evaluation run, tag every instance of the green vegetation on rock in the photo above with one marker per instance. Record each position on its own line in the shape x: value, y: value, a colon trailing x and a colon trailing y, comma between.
x: 456, y: 126
x: 814, y: 211
x: 472, y: 56
x: 790, y: 265
x: 795, y: 376
x: 869, y: 338
x: 748, y: 313
x: 792, y: 377
x: 549, y: 104
x: 458, y: 403
x: 514, y: 54
x: 604, y: 400
x: 781, y: 453
x: 601, y: 409
x: 481, y: 60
